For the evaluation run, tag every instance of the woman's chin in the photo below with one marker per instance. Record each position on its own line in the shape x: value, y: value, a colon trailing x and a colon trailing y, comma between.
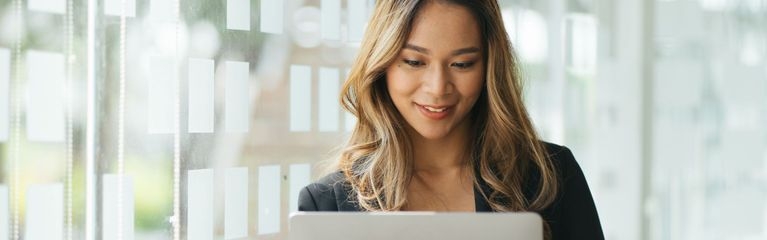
x: 432, y: 134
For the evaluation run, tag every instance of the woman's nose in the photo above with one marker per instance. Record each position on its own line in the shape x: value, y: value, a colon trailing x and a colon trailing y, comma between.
x: 437, y: 82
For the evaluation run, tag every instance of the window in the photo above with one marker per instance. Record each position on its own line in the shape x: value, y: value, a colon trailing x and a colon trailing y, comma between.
x: 194, y: 119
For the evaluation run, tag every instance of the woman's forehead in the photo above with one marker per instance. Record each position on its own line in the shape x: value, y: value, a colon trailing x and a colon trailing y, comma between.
x: 444, y: 27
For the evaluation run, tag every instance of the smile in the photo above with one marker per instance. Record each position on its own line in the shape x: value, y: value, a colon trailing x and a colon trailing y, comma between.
x: 431, y: 109
x: 434, y: 112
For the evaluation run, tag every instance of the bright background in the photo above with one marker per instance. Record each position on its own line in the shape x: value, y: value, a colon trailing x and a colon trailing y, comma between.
x: 218, y: 112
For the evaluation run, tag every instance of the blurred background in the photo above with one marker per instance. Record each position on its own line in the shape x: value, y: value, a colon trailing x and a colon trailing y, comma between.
x: 194, y: 119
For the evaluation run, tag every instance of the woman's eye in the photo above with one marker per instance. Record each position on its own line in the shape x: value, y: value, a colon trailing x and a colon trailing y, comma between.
x: 413, y: 63
x: 463, y: 65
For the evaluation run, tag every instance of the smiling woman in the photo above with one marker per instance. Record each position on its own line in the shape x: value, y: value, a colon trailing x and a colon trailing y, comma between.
x: 442, y: 82
x: 434, y: 89
x: 442, y: 125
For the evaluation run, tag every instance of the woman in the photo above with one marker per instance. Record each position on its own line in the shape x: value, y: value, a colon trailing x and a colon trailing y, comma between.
x: 442, y: 126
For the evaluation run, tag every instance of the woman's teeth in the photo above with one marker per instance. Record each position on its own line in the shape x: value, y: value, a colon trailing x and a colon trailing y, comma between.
x: 431, y: 109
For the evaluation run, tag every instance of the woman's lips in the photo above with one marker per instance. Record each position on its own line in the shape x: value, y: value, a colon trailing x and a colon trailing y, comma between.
x: 434, y: 112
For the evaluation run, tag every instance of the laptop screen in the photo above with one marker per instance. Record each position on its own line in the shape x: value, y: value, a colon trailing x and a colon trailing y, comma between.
x: 415, y: 225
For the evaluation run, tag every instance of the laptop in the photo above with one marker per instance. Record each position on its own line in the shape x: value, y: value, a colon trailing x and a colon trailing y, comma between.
x: 414, y: 225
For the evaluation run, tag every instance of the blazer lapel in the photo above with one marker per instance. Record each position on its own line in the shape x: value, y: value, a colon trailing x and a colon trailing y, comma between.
x: 480, y: 204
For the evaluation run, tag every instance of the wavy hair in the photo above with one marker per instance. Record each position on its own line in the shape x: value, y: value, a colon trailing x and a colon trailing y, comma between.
x: 377, y: 161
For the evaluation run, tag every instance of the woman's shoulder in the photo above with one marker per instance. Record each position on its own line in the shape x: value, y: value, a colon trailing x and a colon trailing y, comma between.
x: 331, y: 179
x: 328, y: 184
x: 562, y: 158
x: 329, y: 193
x: 564, y: 163
x: 557, y: 152
x: 573, y: 213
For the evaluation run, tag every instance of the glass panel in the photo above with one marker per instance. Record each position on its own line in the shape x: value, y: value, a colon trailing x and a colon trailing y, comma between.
x: 331, y: 19
x: 112, y: 227
x: 328, y: 109
x: 238, y: 15
x: 272, y: 16
x: 160, y: 103
x: 300, y: 98
x: 5, y: 214
x: 662, y: 102
x: 269, y: 200
x: 708, y: 162
x: 201, y: 95
x: 5, y: 92
x: 50, y: 6
x: 45, y: 96
x: 115, y: 8
x: 237, y: 98
x: 300, y: 176
x: 200, y: 204
x: 236, y: 203
x: 358, y: 16
x: 44, y: 211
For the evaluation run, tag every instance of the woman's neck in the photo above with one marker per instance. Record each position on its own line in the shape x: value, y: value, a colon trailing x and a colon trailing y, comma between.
x: 445, y: 154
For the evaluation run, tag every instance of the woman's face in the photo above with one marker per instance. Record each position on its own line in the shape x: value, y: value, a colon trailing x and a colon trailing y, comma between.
x: 439, y: 74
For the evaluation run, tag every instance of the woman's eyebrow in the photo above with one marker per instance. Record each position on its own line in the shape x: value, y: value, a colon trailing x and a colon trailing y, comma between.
x: 417, y: 48
x: 465, y: 51
x: 454, y: 53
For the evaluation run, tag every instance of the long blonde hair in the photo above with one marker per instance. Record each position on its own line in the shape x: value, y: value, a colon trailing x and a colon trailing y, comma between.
x: 377, y: 161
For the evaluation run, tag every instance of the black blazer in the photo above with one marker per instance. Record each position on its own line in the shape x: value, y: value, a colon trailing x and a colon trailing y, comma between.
x: 571, y: 216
